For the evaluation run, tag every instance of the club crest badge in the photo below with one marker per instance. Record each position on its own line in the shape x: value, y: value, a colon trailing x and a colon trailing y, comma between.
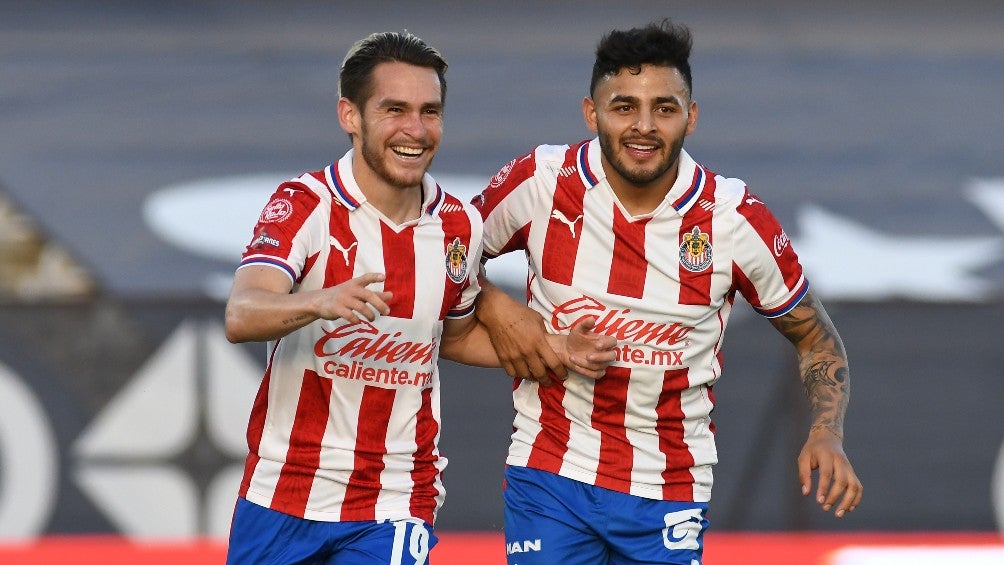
x: 695, y: 251
x: 456, y: 261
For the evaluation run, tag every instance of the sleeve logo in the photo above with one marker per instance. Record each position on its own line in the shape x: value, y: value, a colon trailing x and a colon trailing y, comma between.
x: 500, y: 176
x: 276, y: 211
x: 456, y: 261
x: 695, y: 251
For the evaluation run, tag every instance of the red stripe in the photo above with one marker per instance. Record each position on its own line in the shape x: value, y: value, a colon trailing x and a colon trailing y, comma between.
x: 561, y: 242
x: 695, y: 288
x: 291, y: 210
x: 371, y: 445
x: 552, y: 442
x: 399, y: 265
x: 303, y: 456
x: 745, y: 286
x: 769, y: 230
x: 609, y: 406
x: 423, y: 495
x: 256, y: 426
x: 340, y: 264
x: 629, y: 266
x: 513, y: 174
x: 455, y: 225
x: 677, y: 478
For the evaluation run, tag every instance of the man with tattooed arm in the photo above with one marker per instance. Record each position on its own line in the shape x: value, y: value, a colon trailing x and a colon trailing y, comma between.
x: 628, y: 230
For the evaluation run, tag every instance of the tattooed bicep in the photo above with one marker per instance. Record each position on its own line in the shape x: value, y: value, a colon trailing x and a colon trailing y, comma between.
x: 806, y: 320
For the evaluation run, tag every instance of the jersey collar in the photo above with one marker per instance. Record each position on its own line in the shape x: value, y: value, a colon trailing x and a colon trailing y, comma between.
x: 681, y: 196
x: 347, y: 192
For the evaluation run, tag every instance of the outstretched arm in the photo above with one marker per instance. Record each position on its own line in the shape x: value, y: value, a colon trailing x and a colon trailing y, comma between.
x: 822, y: 363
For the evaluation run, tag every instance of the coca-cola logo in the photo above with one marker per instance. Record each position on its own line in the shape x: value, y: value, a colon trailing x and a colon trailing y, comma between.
x: 780, y: 242
x: 364, y: 341
x: 617, y: 323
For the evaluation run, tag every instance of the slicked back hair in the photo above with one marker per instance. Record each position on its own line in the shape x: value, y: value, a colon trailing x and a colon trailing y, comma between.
x: 355, y: 80
x: 663, y: 44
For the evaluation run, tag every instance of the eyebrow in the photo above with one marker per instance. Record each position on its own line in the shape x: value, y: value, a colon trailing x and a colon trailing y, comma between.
x: 390, y: 103
x: 658, y: 100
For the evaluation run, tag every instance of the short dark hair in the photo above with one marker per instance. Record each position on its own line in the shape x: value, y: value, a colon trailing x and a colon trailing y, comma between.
x: 663, y: 44
x: 355, y: 80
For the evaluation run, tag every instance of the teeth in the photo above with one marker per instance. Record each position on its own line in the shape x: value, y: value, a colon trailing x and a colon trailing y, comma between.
x: 640, y: 147
x: 408, y: 150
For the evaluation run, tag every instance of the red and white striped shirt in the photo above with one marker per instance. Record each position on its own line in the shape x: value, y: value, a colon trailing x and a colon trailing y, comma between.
x: 346, y: 423
x: 663, y: 284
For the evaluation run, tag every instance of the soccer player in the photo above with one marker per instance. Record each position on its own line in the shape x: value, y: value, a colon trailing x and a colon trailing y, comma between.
x: 628, y: 230
x: 360, y: 275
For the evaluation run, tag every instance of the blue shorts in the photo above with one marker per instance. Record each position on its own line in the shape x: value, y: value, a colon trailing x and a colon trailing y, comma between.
x: 261, y: 536
x: 550, y: 519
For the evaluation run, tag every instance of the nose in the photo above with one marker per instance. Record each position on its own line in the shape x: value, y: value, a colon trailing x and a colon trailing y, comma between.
x: 645, y: 123
x: 414, y: 125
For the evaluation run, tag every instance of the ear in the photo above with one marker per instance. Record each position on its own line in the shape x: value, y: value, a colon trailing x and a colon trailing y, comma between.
x: 692, y: 118
x: 589, y: 113
x: 349, y: 116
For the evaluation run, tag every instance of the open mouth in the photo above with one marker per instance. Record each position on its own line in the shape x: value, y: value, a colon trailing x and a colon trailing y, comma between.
x: 407, y: 151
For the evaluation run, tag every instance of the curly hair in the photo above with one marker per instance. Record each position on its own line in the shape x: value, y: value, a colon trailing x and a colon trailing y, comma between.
x: 664, y: 44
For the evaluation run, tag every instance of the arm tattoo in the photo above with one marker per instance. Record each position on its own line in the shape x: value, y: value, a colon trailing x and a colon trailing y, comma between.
x: 822, y: 362
x: 295, y: 320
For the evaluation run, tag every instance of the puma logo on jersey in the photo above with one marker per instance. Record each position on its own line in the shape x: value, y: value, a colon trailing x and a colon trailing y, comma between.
x: 345, y: 250
x: 290, y: 191
x: 752, y: 200
x: 558, y: 215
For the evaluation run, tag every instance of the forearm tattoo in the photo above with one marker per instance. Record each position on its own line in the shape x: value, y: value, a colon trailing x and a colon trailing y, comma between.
x: 822, y: 362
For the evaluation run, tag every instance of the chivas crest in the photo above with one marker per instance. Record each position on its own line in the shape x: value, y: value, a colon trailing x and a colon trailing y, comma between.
x: 695, y: 251
x: 456, y: 261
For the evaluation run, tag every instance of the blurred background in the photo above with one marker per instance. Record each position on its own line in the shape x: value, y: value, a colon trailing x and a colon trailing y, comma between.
x: 139, y: 140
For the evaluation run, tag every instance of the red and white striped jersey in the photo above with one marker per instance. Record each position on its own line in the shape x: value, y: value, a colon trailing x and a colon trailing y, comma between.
x: 346, y: 423
x: 663, y: 284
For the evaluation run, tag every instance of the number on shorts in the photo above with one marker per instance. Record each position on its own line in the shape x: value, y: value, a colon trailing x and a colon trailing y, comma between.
x: 418, y: 543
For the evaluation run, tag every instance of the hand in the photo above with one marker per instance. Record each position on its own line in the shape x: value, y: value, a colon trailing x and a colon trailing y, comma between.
x: 589, y: 353
x: 352, y: 299
x: 517, y: 333
x: 824, y: 452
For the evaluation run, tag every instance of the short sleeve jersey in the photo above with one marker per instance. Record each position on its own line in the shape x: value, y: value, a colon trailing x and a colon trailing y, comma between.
x: 346, y: 422
x: 663, y: 284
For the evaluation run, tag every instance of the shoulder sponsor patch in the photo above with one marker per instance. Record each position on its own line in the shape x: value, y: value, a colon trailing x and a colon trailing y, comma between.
x: 503, y: 174
x: 276, y: 211
x: 264, y: 239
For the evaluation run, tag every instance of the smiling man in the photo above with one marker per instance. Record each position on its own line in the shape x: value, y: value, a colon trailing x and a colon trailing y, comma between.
x: 628, y: 230
x: 360, y: 276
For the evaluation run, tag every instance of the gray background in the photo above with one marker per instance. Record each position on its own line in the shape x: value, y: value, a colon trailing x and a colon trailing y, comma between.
x: 880, y: 112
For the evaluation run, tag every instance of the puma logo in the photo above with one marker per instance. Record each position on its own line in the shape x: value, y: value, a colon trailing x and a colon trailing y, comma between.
x: 751, y: 200
x: 345, y: 250
x: 290, y: 191
x: 558, y: 215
